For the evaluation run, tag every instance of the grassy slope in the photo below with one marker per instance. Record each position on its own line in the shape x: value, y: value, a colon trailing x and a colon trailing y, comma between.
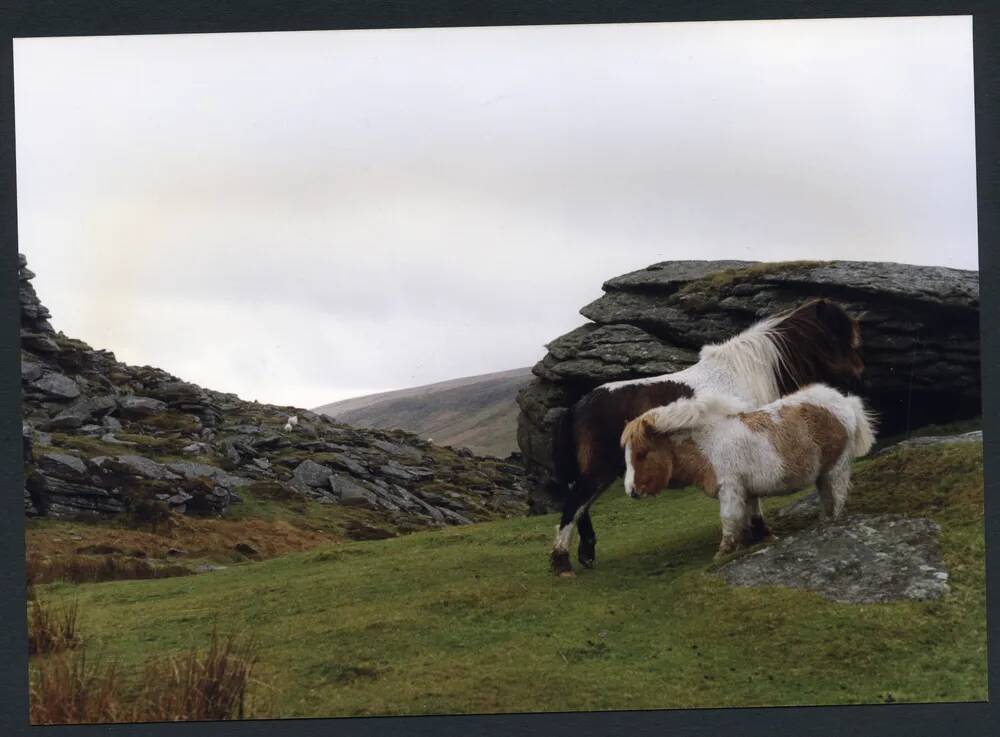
x: 469, y: 620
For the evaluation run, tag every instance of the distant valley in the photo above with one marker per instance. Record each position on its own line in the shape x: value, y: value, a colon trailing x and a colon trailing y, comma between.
x: 477, y: 412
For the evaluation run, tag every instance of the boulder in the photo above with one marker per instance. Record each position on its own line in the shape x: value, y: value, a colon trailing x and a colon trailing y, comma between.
x: 860, y: 559
x: 136, y: 465
x: 191, y: 470
x: 82, y: 411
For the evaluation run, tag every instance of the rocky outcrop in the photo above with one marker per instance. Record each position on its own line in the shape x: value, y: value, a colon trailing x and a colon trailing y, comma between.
x: 920, y: 329
x: 861, y: 559
x: 105, y: 438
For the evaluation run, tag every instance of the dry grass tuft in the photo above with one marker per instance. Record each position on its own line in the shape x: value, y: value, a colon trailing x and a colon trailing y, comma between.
x: 67, y: 689
x: 50, y: 630
x: 199, y: 686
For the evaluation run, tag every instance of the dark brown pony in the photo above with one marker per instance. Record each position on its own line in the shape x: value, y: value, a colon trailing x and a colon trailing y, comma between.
x: 817, y: 342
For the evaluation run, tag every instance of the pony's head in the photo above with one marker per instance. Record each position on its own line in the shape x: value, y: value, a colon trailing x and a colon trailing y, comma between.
x: 819, y: 342
x: 649, y: 458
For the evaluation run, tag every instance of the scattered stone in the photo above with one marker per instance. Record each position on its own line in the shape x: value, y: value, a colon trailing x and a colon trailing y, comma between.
x: 350, y: 493
x: 30, y: 371
x: 348, y: 464
x: 396, y: 449
x: 56, y: 386
x: 111, y: 423
x: 134, y: 407
x: 190, y: 470
x: 141, y: 466
x: 312, y: 474
x: 62, y: 465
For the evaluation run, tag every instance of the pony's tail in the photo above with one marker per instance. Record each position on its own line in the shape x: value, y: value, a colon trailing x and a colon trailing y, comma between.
x: 864, y: 427
x: 694, y: 412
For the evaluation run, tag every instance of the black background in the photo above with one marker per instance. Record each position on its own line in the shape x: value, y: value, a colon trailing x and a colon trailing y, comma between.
x: 94, y: 17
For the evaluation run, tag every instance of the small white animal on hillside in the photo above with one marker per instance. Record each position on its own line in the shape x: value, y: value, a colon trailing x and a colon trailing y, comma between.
x: 808, y: 437
x: 292, y: 422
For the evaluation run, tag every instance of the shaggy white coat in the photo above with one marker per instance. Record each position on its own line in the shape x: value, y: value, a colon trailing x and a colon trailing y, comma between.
x: 746, y: 463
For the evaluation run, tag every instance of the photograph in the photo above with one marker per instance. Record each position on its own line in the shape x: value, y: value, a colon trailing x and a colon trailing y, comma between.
x: 488, y: 370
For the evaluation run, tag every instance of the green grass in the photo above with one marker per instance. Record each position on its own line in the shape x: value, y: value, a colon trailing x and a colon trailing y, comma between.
x: 469, y: 620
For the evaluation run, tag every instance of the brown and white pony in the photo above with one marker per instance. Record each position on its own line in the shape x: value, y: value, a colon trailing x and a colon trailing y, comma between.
x: 817, y: 342
x: 808, y: 437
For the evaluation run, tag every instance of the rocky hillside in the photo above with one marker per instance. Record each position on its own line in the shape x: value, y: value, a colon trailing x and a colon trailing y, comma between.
x: 476, y: 412
x: 102, y: 438
x: 920, y: 329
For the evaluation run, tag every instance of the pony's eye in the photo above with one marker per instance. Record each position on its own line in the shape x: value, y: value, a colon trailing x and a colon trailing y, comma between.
x: 642, y: 454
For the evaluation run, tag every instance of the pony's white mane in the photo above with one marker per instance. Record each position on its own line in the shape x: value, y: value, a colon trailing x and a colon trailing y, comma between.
x: 690, y: 413
x: 753, y: 357
x: 746, y: 364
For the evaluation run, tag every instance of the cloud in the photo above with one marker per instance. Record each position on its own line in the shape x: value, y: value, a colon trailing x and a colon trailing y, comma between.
x: 298, y: 216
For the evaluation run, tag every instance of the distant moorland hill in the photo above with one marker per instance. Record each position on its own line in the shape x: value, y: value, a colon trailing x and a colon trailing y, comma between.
x: 477, y: 412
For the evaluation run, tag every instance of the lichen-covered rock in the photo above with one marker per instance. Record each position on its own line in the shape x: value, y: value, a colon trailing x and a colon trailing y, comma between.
x: 920, y: 332
x: 861, y: 559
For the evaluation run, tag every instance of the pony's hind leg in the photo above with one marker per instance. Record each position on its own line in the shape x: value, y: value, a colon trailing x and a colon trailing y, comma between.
x: 735, y: 520
x: 833, y: 487
x: 759, y: 531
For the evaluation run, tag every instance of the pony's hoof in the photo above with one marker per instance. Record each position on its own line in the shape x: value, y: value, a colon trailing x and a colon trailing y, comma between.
x: 567, y: 574
x: 759, y: 531
x: 725, y: 550
x: 587, y: 556
x: 559, y: 560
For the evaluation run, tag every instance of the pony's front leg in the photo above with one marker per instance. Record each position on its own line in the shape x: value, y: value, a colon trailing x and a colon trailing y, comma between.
x: 574, y: 507
x: 586, y: 551
x: 733, y: 513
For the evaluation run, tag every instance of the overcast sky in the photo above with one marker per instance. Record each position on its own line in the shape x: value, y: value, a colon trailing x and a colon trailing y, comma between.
x: 305, y: 217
